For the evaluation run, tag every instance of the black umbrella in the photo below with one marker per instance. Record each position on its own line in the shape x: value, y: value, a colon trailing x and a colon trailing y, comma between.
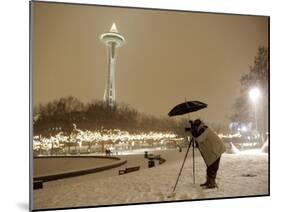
x: 187, y: 107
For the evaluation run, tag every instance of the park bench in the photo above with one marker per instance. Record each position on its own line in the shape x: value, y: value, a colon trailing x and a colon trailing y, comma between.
x: 156, y: 157
x: 162, y: 160
x: 37, y: 184
x: 150, y: 157
x: 129, y: 169
x: 153, y: 157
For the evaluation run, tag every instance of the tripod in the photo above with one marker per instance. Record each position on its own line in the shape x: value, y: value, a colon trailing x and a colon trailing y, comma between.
x: 192, y: 142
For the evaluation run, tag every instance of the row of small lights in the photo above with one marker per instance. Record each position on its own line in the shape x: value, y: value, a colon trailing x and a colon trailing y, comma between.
x: 96, y: 136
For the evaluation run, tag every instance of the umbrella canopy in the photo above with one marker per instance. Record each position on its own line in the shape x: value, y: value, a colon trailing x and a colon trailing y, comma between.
x: 187, y: 107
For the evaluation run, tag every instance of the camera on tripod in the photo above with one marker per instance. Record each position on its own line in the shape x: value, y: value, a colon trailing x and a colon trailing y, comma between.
x: 193, y: 127
x: 193, y: 131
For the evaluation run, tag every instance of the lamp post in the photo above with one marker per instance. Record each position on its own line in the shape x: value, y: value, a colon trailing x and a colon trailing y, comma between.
x: 254, y: 95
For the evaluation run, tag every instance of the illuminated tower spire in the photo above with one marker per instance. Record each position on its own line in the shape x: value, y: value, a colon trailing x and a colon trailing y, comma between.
x: 112, y: 39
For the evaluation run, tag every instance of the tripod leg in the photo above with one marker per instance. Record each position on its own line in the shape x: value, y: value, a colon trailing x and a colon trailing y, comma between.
x: 183, y: 164
x: 193, y: 161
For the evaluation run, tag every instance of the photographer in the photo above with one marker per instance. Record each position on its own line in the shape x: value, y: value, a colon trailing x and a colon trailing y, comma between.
x: 211, y: 148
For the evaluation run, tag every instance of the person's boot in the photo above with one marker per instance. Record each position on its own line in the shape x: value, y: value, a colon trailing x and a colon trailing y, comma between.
x: 206, y: 183
x: 212, y: 183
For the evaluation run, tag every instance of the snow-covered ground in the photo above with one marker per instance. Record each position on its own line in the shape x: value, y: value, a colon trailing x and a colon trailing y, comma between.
x: 239, y: 175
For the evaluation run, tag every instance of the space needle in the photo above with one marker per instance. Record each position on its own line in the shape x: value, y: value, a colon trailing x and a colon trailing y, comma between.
x: 112, y: 39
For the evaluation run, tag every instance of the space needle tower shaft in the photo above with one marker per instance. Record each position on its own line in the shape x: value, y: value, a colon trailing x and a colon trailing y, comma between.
x: 112, y: 39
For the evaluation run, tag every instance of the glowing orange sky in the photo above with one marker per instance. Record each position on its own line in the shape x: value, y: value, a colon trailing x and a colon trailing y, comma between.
x: 169, y: 56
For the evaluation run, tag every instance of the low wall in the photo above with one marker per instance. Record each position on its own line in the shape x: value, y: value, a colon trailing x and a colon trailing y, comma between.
x: 74, y: 173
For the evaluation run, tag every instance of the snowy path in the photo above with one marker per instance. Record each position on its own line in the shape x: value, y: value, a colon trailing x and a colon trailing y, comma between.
x: 239, y: 175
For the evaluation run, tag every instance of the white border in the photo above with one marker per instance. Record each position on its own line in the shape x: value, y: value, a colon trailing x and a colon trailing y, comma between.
x: 14, y: 117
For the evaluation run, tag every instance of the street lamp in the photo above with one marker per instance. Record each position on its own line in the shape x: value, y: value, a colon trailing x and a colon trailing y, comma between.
x: 254, y: 95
